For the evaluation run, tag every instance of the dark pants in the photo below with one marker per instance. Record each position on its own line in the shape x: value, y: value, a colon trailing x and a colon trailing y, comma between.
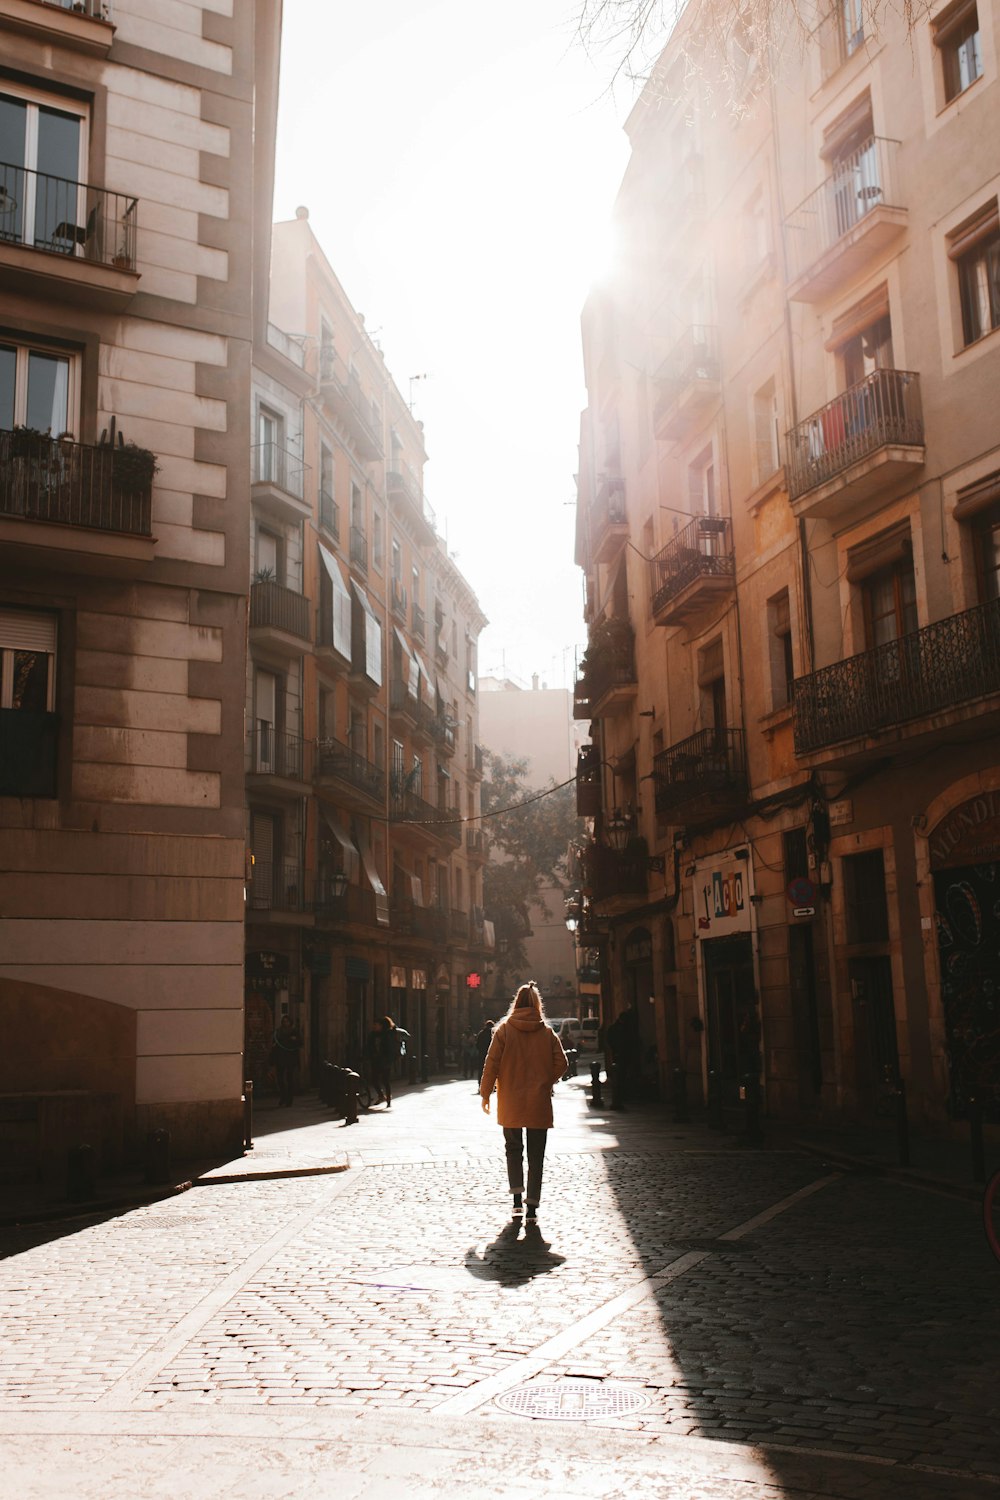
x: 286, y: 1079
x: 514, y: 1147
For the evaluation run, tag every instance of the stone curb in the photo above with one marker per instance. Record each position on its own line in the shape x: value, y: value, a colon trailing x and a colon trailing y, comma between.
x: 270, y: 1174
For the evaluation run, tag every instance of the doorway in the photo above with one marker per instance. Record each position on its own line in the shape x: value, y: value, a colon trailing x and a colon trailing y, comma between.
x: 733, y: 1019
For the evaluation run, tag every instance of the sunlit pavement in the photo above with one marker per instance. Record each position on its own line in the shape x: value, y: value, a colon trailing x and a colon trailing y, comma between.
x: 696, y: 1320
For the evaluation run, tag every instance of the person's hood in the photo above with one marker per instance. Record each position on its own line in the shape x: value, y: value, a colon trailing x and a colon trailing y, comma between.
x: 525, y: 1019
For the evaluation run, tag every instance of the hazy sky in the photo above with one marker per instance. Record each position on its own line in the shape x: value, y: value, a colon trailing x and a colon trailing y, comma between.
x: 458, y: 163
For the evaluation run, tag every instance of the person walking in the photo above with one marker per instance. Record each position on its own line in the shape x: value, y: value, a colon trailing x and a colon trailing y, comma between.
x: 286, y: 1059
x: 387, y: 1042
x: 524, y: 1062
x: 481, y: 1045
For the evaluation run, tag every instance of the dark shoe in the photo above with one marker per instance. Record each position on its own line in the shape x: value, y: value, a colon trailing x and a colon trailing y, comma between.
x: 516, y: 1212
x: 388, y: 1101
x: 531, y: 1217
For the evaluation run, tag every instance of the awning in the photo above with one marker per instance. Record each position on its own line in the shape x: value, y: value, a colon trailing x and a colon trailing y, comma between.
x: 442, y: 688
x: 427, y: 680
x: 352, y: 859
x: 412, y: 665
x: 375, y: 881
x: 489, y: 935
x: 373, y: 636
x: 341, y: 622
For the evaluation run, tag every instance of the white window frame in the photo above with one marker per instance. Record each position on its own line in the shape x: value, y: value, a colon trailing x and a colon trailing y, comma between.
x: 23, y: 349
x: 37, y: 99
x: 27, y: 630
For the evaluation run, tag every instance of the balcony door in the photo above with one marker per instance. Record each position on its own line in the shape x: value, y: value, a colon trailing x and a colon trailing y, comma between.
x: 265, y: 709
x: 890, y: 603
x: 42, y: 200
x: 37, y: 389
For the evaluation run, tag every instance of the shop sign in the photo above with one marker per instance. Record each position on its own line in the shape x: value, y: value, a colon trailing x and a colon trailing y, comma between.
x: 418, y: 979
x: 722, y: 887
x: 397, y: 977
x: 969, y: 834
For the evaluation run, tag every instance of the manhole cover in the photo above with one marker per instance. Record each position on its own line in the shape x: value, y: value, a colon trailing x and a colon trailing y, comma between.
x: 573, y: 1401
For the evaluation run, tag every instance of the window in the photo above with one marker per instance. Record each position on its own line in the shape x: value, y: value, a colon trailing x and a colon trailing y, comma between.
x: 712, y: 681
x: 795, y: 854
x: 397, y: 774
x: 396, y: 565
x: 765, y: 422
x: 701, y: 484
x: 890, y: 603
x: 267, y: 557
x: 28, y: 722
x: 975, y: 249
x: 265, y: 692
x: 779, y: 634
x: 852, y: 24
x: 327, y: 713
x: 865, y: 907
x: 867, y: 350
x: 378, y: 553
x: 37, y: 389
x: 854, y: 186
x: 379, y: 745
x: 956, y: 35
x: 42, y: 154
x: 986, y: 535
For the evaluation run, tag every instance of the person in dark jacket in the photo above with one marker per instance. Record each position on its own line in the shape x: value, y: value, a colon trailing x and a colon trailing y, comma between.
x: 386, y: 1042
x: 286, y: 1059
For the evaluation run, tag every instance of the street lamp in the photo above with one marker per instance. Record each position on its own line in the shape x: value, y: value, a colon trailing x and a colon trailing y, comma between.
x: 619, y: 826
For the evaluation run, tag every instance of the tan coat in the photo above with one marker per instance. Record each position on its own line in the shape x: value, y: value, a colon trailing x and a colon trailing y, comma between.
x: 524, y: 1061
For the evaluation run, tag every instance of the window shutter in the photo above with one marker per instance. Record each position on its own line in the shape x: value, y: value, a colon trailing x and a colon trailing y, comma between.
x: 20, y: 630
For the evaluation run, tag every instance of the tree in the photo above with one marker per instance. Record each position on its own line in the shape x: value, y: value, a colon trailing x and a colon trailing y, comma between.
x: 532, y: 835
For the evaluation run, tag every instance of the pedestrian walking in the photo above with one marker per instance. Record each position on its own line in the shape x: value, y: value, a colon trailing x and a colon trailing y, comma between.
x: 482, y: 1045
x: 285, y: 1056
x: 524, y: 1062
x: 385, y: 1042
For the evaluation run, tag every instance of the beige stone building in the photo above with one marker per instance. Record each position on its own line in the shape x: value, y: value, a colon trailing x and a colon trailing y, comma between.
x: 134, y: 210
x: 362, y: 760
x: 788, y: 518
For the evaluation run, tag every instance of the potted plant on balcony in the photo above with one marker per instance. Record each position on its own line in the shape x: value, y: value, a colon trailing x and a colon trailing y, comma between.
x: 132, y: 467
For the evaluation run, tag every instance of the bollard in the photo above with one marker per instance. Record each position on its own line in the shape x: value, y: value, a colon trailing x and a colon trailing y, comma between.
x: 81, y: 1174
x: 596, y: 1097
x: 616, y: 1078
x: 902, y: 1125
x: 681, y: 1116
x: 714, y: 1101
x: 976, y: 1138
x: 248, y: 1114
x: 350, y: 1081
x: 157, y: 1160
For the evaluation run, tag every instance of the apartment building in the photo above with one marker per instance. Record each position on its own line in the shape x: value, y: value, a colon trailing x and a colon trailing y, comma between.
x: 788, y: 519
x: 362, y: 763
x: 135, y: 169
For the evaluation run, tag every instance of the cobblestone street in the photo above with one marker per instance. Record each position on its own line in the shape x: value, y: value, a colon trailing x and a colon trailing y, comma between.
x: 786, y: 1329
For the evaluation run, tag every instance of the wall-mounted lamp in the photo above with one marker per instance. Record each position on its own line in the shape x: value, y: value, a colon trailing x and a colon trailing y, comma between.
x: 619, y: 826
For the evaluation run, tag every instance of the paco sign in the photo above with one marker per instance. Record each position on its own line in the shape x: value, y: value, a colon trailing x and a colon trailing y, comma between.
x: 722, y: 887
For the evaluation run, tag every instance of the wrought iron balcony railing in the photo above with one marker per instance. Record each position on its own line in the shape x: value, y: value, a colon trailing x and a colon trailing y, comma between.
x: 362, y: 413
x: 610, y: 671
x: 402, y: 700
x: 72, y: 484
x: 405, y: 486
x: 588, y: 783
x: 410, y: 807
x: 398, y: 590
x: 694, y: 358
x: 276, y: 886
x: 609, y: 874
x: 951, y: 662
x: 272, y: 464
x: 97, y: 10
x: 709, y: 765
x: 329, y: 515
x: 67, y: 218
x: 418, y: 622
x: 476, y: 768
x: 881, y: 411
x: 860, y: 183
x: 275, y: 607
x: 701, y: 550
x: 359, y: 549
x: 273, y: 752
x: 477, y: 842
x: 333, y: 758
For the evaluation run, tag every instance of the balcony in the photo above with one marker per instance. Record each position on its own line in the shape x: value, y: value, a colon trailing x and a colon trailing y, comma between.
x: 689, y: 383
x: 277, y: 480
x: 615, y: 879
x: 841, y: 228
x: 695, y: 569
x: 459, y: 928
x: 868, y: 438
x: 359, y: 549
x: 80, y: 25
x: 409, y: 808
x: 403, y: 702
x: 701, y: 774
x: 89, y: 504
x: 355, y: 905
x: 341, y: 389
x: 921, y: 676
x: 407, y: 498
x: 28, y: 740
x: 279, y: 619
x: 427, y: 922
x: 67, y: 240
x: 275, y: 889
x: 475, y: 766
x: 608, y: 683
x: 278, y: 760
x: 398, y: 594
x: 443, y: 735
x: 418, y: 624
x: 608, y: 520
x: 588, y: 782
x: 337, y: 762
x: 329, y: 515
x: 477, y: 844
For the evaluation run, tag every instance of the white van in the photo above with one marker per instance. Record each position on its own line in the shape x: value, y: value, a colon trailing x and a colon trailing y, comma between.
x: 567, y: 1029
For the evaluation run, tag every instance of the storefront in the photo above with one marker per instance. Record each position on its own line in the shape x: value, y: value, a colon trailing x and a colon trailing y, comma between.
x: 722, y: 891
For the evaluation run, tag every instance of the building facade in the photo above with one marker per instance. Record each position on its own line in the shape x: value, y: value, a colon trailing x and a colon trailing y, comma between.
x: 135, y: 171
x: 788, y: 518
x: 362, y: 759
